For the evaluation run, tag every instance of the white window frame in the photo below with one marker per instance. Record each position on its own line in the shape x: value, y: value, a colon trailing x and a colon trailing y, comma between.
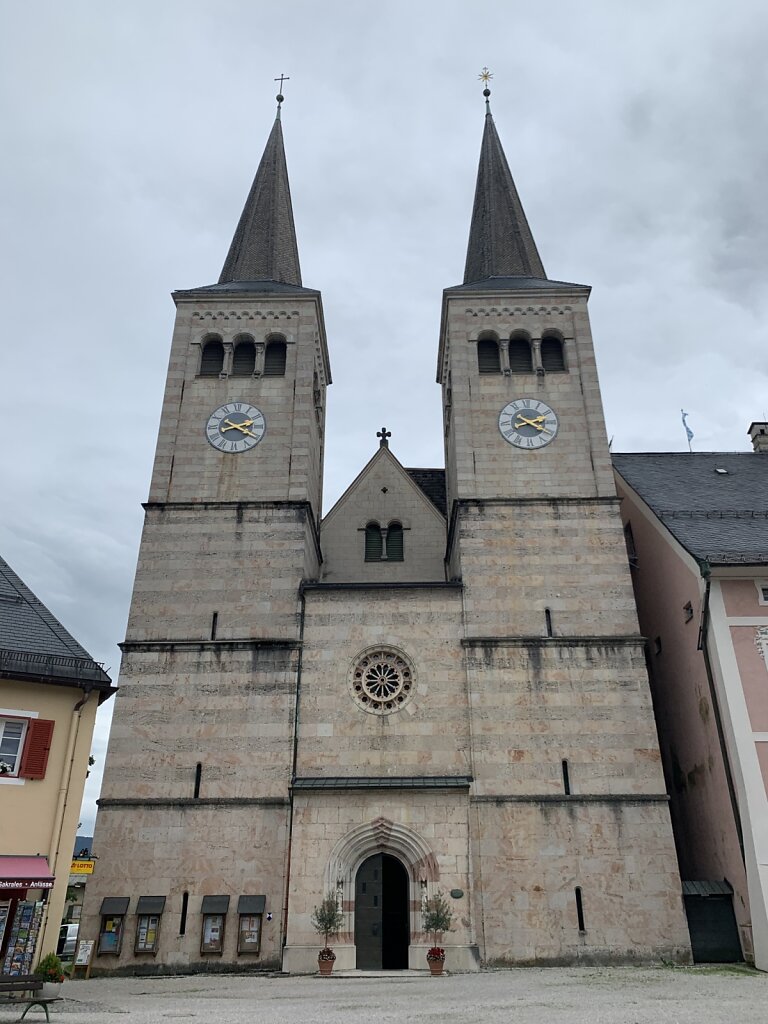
x: 762, y: 585
x: 5, y: 717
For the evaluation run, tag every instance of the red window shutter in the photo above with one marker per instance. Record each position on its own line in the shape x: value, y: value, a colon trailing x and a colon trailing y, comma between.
x: 37, y: 746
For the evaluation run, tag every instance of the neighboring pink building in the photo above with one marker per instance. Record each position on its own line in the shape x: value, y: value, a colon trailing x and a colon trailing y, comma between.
x: 697, y: 537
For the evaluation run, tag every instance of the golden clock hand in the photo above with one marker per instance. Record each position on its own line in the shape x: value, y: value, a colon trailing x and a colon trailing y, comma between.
x: 530, y: 423
x: 238, y: 426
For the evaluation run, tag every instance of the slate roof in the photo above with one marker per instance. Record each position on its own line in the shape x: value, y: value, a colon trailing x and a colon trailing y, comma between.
x: 264, y: 245
x: 432, y: 483
x: 34, y: 644
x: 517, y: 283
x: 500, y: 241
x: 254, y: 287
x: 720, y: 518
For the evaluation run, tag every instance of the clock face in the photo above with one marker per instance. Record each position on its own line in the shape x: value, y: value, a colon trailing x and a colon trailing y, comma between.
x: 528, y: 423
x: 235, y: 427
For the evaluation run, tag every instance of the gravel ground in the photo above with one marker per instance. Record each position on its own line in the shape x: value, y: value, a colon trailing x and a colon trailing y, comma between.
x: 618, y: 995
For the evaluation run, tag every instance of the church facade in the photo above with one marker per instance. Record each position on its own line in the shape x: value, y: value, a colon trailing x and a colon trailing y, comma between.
x: 440, y: 686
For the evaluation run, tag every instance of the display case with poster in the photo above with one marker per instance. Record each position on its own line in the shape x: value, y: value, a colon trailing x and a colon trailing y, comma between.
x: 214, y: 910
x: 250, y: 910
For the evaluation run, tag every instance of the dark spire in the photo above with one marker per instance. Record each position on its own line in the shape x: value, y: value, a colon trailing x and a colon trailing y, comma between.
x: 264, y: 247
x: 500, y: 241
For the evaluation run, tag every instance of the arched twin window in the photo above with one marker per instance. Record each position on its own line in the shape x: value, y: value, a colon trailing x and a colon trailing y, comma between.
x: 244, y: 357
x: 384, y: 544
x: 274, y: 358
x: 212, y: 359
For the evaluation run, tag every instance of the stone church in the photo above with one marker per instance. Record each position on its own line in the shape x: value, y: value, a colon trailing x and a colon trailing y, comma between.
x: 438, y: 686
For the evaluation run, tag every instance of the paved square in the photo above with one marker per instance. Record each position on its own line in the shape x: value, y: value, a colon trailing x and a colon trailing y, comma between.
x: 526, y: 996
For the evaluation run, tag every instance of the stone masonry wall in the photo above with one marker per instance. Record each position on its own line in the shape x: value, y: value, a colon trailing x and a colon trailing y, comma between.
x: 243, y: 562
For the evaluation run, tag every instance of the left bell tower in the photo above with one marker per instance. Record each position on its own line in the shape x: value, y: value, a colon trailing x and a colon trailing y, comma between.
x: 200, y: 760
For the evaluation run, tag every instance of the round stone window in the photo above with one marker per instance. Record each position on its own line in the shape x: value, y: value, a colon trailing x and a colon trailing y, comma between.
x: 381, y: 680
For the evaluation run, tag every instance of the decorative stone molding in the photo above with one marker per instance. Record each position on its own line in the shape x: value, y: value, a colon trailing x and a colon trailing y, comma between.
x: 381, y: 835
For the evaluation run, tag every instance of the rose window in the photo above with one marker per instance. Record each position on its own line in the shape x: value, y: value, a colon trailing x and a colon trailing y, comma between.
x: 381, y: 680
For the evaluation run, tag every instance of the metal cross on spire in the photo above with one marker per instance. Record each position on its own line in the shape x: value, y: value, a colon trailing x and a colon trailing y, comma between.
x: 383, y: 436
x: 280, y: 97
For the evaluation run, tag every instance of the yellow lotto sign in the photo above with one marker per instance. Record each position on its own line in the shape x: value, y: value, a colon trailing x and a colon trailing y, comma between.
x: 81, y: 867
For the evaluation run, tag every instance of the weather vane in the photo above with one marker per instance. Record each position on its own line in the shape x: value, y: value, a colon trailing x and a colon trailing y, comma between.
x: 281, y: 79
x: 485, y: 76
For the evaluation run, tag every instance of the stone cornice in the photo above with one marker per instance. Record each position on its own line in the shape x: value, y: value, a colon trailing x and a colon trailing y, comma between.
x: 572, y: 798
x: 554, y: 641
x: 202, y: 801
x: 241, y: 644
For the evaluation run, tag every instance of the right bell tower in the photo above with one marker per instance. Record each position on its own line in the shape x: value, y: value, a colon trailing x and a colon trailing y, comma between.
x: 569, y: 798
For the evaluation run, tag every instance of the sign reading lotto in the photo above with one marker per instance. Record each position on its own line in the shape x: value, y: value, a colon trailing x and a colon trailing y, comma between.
x: 81, y: 867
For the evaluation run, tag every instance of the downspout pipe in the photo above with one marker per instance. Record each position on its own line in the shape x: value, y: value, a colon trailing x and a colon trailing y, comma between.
x: 294, y: 760
x: 63, y: 798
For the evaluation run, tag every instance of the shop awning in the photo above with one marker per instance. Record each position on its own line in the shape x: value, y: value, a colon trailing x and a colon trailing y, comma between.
x: 25, y: 873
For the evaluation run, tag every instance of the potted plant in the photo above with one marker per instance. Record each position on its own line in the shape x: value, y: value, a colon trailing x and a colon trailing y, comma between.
x: 437, y: 918
x: 327, y: 920
x: 49, y: 969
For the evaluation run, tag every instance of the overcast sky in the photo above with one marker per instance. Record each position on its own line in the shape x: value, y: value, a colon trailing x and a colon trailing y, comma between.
x: 636, y: 133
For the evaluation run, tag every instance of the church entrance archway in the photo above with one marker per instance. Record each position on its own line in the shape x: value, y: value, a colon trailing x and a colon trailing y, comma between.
x: 382, y: 933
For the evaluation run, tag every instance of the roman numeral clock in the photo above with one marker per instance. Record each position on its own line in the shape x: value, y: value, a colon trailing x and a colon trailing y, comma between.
x: 235, y: 427
x: 528, y: 423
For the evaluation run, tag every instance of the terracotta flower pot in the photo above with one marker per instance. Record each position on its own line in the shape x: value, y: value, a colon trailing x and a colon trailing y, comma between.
x: 325, y: 961
x: 435, y: 966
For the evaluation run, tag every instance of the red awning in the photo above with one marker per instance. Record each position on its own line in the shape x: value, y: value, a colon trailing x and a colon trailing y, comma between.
x: 25, y: 873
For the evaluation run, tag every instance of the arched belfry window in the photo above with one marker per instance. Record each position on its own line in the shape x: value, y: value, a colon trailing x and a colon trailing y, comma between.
x: 212, y: 359
x: 274, y: 358
x: 552, y: 355
x: 488, y: 356
x: 520, y: 355
x: 395, y: 542
x: 244, y: 358
x: 373, y: 543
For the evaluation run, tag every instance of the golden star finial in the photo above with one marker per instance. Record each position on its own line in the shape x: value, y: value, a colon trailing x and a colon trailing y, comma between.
x: 485, y: 76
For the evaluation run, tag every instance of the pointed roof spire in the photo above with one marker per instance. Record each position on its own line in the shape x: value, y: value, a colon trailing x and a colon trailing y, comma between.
x: 264, y: 246
x: 500, y: 241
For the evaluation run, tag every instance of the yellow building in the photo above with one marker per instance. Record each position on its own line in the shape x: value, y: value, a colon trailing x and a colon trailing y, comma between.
x: 50, y: 688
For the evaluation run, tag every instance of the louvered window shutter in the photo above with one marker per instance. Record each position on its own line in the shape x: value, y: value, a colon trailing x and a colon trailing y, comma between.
x: 37, y: 746
x: 212, y: 362
x: 488, y: 356
x: 520, y: 358
x: 395, y: 543
x: 373, y: 543
x: 552, y: 354
x: 244, y: 359
x: 274, y: 359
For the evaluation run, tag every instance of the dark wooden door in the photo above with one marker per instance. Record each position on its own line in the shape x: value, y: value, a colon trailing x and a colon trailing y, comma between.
x: 369, y: 887
x: 714, y: 934
x: 382, y: 933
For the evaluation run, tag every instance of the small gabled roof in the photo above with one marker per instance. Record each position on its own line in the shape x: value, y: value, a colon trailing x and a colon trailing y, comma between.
x: 34, y: 644
x: 429, y: 482
x: 715, y: 504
